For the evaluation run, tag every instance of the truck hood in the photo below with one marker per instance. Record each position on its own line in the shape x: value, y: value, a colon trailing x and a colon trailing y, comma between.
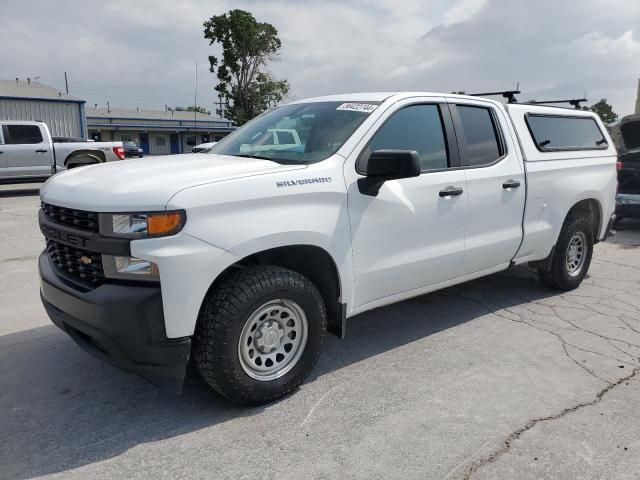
x: 147, y: 184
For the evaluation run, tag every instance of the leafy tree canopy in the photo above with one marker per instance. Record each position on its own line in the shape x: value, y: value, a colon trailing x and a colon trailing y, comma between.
x: 605, y: 111
x: 248, y: 47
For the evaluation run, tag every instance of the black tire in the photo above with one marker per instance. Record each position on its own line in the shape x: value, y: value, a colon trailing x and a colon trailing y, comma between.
x: 220, y: 325
x: 559, y: 276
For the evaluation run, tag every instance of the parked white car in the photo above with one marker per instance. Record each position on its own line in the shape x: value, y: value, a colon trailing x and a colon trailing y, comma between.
x: 28, y: 153
x: 243, y: 258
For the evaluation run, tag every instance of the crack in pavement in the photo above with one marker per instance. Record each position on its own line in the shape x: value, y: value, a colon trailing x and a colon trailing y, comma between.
x: 516, y: 434
x: 530, y: 312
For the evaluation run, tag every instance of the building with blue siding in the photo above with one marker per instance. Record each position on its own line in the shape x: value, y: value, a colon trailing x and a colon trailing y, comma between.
x: 158, y: 132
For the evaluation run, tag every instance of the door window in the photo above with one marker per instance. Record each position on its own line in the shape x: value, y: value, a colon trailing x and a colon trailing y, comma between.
x: 22, y: 134
x: 482, y: 144
x: 416, y: 127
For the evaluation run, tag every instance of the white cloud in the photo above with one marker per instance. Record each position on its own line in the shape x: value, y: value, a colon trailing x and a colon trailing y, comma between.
x: 597, y: 43
x: 462, y: 11
x: 143, y: 53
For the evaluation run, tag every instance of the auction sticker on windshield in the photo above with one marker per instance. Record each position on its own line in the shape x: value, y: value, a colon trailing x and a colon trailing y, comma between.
x: 357, y: 107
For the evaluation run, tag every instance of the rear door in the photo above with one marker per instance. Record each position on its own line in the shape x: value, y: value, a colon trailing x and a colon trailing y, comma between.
x: 495, y: 185
x: 26, y: 150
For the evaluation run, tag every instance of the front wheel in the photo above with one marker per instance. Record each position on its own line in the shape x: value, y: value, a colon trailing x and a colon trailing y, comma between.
x: 572, y: 255
x: 260, y: 334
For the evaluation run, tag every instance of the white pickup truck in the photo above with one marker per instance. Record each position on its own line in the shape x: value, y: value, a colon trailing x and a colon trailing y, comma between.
x: 240, y: 260
x: 28, y: 153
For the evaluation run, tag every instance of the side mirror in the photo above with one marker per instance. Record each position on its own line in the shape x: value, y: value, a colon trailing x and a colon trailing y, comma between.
x: 383, y: 165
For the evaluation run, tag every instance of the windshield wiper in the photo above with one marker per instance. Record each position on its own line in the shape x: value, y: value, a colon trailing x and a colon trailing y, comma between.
x: 282, y: 161
x: 259, y: 157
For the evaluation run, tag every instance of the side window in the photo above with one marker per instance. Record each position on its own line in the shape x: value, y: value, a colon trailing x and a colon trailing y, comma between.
x: 565, y: 132
x: 419, y: 128
x: 482, y: 144
x: 22, y: 134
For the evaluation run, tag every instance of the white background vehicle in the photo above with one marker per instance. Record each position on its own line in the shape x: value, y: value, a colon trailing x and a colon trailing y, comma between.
x: 244, y: 257
x: 27, y: 152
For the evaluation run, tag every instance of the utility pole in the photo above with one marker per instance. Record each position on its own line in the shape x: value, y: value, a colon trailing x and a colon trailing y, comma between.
x: 195, y: 108
x: 220, y: 111
x: 66, y: 82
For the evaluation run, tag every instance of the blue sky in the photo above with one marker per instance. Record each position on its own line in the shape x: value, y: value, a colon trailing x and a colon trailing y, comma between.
x: 143, y: 53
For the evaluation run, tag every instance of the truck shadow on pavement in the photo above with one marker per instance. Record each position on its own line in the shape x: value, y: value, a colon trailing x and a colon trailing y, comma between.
x: 63, y: 409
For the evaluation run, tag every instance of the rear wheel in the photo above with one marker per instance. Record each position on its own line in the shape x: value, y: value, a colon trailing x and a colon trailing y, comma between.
x: 260, y: 334
x: 572, y: 255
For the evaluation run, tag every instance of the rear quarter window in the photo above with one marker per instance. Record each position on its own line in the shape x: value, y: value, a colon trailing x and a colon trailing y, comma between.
x: 565, y: 133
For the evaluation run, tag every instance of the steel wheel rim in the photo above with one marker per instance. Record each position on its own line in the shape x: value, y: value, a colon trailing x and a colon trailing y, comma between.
x: 576, y: 253
x: 273, y: 339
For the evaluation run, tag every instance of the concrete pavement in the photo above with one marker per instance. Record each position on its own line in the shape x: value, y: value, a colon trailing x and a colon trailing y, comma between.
x: 497, y: 378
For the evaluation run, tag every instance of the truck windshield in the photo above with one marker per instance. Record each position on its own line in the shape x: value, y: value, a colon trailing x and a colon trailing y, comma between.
x: 300, y: 133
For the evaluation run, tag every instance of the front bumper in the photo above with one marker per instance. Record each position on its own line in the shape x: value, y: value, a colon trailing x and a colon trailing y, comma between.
x: 120, y: 324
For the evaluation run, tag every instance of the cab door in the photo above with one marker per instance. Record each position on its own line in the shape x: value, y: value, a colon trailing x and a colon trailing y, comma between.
x: 495, y: 185
x: 26, y: 151
x: 411, y: 234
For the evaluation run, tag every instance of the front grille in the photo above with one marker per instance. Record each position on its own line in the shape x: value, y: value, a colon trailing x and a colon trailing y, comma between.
x: 80, y: 219
x: 82, y: 264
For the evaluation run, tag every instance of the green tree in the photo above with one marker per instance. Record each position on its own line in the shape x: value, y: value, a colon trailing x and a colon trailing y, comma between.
x: 192, y: 108
x: 605, y: 111
x: 247, y: 48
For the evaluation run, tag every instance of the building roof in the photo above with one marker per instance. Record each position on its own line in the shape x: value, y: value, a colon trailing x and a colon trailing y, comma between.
x: 135, y: 113
x: 29, y: 89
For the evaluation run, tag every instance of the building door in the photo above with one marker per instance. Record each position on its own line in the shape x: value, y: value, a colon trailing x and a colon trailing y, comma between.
x: 144, y: 142
x: 173, y: 140
x: 160, y: 144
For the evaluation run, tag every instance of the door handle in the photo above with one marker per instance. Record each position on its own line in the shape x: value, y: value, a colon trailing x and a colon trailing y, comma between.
x: 510, y: 184
x: 451, y: 192
x: 42, y: 151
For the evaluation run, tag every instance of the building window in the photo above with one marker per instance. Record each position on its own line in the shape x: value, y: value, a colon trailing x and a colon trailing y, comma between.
x: 161, y: 141
x: 126, y: 138
x: 191, y: 140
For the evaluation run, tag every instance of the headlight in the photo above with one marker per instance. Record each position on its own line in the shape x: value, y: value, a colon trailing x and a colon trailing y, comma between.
x: 129, y: 268
x: 141, y: 225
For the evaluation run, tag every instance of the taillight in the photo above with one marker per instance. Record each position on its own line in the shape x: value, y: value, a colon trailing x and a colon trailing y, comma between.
x: 119, y: 151
x: 619, y: 166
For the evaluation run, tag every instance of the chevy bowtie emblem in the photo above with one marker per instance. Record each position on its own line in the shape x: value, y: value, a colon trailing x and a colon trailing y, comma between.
x: 85, y: 260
